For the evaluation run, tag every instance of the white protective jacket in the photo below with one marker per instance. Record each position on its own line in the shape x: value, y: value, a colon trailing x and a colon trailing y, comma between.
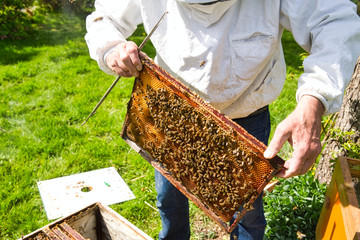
x: 230, y: 52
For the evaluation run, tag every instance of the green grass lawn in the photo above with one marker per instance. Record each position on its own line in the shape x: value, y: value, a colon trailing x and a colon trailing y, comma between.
x: 48, y: 86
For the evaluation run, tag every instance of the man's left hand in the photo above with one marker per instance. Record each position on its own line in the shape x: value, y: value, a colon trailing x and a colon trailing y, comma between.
x: 302, y: 129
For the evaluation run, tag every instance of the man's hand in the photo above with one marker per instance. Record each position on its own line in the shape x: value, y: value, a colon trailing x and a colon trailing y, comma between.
x: 124, y: 59
x: 302, y: 129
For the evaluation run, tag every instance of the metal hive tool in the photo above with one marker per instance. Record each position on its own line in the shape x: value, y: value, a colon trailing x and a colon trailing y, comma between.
x: 208, y: 157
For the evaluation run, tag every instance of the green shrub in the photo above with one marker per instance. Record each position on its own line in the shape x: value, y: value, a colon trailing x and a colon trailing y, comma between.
x: 15, y: 18
x: 349, y: 142
x: 19, y: 18
x: 294, y: 207
x: 76, y: 6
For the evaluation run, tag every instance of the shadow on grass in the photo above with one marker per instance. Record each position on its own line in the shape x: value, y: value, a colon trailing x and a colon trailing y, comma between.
x: 58, y: 29
x: 10, y: 56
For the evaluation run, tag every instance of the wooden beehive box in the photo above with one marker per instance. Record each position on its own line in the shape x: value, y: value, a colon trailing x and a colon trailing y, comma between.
x: 95, y: 222
x: 340, y: 215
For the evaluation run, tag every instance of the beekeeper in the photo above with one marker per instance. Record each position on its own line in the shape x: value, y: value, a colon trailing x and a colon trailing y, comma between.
x: 230, y: 53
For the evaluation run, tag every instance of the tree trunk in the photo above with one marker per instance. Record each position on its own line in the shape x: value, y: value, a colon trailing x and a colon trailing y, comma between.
x: 348, y: 120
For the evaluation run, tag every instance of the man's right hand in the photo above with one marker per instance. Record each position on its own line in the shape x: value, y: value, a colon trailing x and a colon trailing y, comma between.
x: 124, y: 59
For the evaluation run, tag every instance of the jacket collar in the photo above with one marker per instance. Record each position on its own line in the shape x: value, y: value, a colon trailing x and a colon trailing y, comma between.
x: 203, y: 2
x: 206, y: 13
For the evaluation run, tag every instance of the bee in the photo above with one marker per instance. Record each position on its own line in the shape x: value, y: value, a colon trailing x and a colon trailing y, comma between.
x: 202, y: 63
x: 96, y: 19
x: 248, y: 206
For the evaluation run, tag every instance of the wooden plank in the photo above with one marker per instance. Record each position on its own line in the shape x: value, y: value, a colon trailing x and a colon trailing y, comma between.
x: 84, y: 224
x: 349, y: 203
x: 61, y: 234
x: 335, y: 227
x: 72, y: 232
x: 355, y: 173
x: 341, y: 207
x: 50, y: 234
x: 354, y: 163
x: 325, y: 221
x: 346, y: 185
x: 118, y: 227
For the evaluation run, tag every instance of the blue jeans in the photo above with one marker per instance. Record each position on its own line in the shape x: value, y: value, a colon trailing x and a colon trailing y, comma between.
x: 174, y: 206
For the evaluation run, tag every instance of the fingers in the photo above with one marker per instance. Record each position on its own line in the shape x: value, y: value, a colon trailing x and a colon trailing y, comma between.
x: 127, y: 56
x: 306, y: 146
x: 142, y: 55
x: 302, y: 130
x: 281, y: 135
x: 297, y: 165
x: 125, y: 60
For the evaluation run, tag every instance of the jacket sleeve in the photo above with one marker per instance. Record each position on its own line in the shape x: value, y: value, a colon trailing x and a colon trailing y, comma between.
x: 330, y: 32
x: 111, y: 23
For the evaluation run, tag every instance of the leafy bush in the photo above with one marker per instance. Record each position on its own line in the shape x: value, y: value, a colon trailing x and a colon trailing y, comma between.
x: 19, y: 18
x: 76, y: 6
x: 15, y: 18
x: 293, y: 208
x: 349, y: 142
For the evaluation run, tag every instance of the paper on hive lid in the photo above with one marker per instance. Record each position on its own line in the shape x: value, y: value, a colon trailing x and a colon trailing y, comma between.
x: 65, y: 195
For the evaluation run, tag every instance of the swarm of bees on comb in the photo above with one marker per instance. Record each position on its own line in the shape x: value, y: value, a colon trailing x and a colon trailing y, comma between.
x: 208, y: 155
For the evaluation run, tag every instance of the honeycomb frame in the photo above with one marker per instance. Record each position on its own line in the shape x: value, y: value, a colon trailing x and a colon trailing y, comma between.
x: 212, y: 160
